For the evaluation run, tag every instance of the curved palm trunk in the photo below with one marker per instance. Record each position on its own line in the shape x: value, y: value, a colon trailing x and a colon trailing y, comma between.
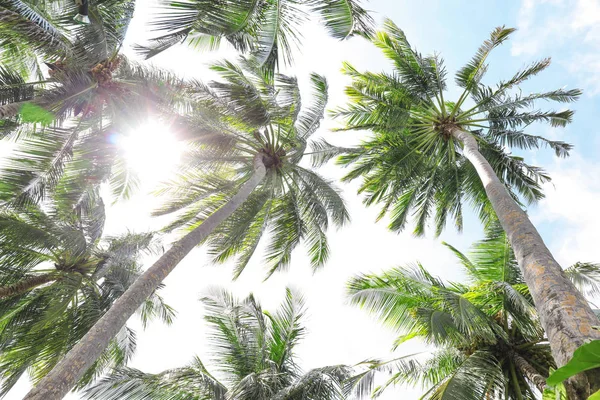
x: 565, y: 314
x: 25, y: 285
x: 11, y: 109
x: 69, y: 370
x: 527, y: 370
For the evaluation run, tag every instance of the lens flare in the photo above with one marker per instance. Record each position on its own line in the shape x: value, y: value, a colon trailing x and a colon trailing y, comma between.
x: 151, y: 151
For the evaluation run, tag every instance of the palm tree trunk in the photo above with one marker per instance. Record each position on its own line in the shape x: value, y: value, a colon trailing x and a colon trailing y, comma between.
x: 11, y: 109
x: 69, y: 370
x: 565, y: 314
x: 527, y: 370
x: 25, y: 285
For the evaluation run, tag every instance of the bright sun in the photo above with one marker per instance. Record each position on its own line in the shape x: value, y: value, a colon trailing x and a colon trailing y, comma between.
x: 152, y: 151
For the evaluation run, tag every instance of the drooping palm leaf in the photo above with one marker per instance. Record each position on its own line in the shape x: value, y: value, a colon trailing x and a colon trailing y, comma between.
x: 251, y: 114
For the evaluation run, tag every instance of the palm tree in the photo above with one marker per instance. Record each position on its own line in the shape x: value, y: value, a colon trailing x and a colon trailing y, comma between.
x: 487, y: 334
x: 35, y: 34
x: 428, y: 153
x: 253, y: 358
x: 89, y: 97
x: 240, y: 178
x: 266, y: 29
x: 58, y: 276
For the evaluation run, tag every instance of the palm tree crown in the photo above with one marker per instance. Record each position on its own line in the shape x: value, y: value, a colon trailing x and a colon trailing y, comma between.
x: 85, y: 98
x: 488, y: 339
x: 245, y: 117
x: 253, y: 358
x: 414, y: 165
x: 58, y: 276
x: 35, y: 32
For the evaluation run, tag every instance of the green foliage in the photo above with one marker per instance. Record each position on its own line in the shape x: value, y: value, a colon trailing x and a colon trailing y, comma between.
x: 253, y: 352
x: 268, y: 30
x: 412, y: 165
x: 33, y: 33
x: 87, y: 94
x: 586, y: 357
x: 33, y: 113
x: 483, y: 330
x: 87, y: 273
x: 246, y: 115
x: 557, y: 392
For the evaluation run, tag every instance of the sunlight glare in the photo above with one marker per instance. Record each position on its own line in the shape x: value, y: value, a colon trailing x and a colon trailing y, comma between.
x: 152, y: 151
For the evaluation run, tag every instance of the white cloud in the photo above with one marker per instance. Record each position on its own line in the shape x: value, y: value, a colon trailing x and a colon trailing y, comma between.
x: 570, y: 209
x: 586, y: 66
x: 566, y: 27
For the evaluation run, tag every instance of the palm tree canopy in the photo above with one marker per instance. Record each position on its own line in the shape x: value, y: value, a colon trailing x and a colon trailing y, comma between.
x: 267, y: 29
x: 412, y: 165
x: 85, y: 98
x: 34, y: 32
x: 79, y: 145
x: 88, y: 272
x: 481, y: 329
x: 253, y: 359
x: 247, y: 116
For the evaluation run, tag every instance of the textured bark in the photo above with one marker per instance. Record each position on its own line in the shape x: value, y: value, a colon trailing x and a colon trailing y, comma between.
x: 531, y: 373
x: 565, y: 314
x: 69, y: 370
x: 10, y: 110
x: 25, y: 285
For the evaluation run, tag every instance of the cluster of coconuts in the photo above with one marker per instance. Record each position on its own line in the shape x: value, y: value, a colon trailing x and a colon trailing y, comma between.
x: 102, y: 72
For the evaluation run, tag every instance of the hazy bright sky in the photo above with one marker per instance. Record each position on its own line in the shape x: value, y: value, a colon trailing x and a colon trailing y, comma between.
x: 568, y: 31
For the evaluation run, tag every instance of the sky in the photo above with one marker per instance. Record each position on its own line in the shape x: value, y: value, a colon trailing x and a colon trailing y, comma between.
x: 567, y: 31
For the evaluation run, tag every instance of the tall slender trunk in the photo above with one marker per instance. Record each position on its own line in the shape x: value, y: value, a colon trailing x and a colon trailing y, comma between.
x: 527, y: 369
x: 69, y: 370
x: 25, y: 285
x: 565, y: 314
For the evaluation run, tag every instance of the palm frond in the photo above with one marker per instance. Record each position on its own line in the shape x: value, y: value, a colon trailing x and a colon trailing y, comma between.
x: 192, y: 382
x: 285, y: 331
x: 343, y: 18
x: 310, y: 115
x: 585, y: 276
x: 470, y: 75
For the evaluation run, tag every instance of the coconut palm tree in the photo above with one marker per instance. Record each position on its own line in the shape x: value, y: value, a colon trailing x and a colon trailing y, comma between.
x: 81, y: 147
x: 266, y: 29
x: 58, y: 276
x: 253, y: 358
x: 85, y: 98
x: 489, y: 343
x: 240, y: 178
x: 427, y: 154
x: 40, y: 36
x: 37, y: 36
